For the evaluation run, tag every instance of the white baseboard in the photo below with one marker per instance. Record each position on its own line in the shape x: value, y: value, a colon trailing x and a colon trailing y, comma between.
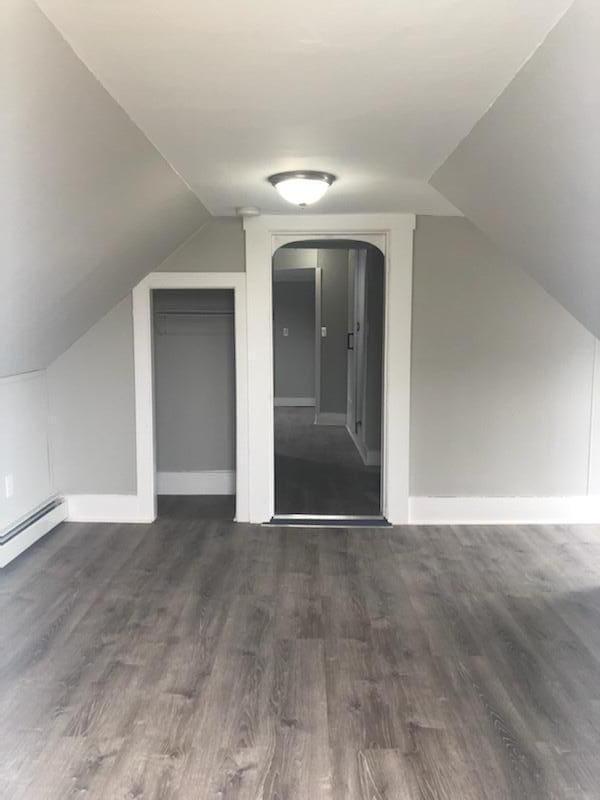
x: 19, y: 543
x: 105, y: 508
x: 221, y: 481
x: 374, y: 458
x: 129, y: 508
x: 362, y: 450
x: 370, y: 458
x: 422, y: 510
x: 294, y: 401
x: 504, y: 510
x: 330, y: 418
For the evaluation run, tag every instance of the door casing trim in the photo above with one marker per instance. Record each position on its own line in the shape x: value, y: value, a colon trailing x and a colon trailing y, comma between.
x: 393, y: 235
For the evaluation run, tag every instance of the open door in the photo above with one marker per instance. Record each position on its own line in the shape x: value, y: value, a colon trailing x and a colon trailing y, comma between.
x: 360, y: 362
x: 351, y: 399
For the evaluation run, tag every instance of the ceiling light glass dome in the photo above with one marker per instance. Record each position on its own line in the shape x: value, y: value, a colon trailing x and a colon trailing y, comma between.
x: 302, y: 187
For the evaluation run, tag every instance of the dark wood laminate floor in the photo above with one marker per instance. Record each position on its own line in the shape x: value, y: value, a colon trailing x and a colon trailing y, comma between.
x: 318, y: 469
x: 203, y: 659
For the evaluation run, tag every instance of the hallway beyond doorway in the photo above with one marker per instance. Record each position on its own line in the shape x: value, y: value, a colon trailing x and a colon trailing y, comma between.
x: 318, y: 469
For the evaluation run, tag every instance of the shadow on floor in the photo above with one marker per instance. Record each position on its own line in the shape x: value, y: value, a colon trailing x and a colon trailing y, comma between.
x: 184, y: 507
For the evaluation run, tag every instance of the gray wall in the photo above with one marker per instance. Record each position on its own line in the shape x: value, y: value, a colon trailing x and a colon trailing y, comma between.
x: 501, y: 390
x: 92, y: 409
x: 374, y: 305
x: 194, y: 368
x: 528, y: 175
x: 334, y: 315
x: 217, y: 247
x: 97, y: 382
x: 501, y: 374
x: 295, y: 258
x: 24, y: 445
x: 294, y: 355
x: 89, y: 206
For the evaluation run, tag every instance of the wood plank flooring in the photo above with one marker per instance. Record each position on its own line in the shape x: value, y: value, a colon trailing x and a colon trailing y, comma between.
x: 196, y: 658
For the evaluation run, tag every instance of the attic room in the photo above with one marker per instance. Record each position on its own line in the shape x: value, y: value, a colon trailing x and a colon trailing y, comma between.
x: 300, y: 394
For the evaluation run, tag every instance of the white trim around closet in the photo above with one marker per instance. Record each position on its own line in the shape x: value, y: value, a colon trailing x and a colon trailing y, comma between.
x: 144, y: 391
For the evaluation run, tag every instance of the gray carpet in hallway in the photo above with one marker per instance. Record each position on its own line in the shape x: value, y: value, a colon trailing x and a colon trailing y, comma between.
x: 318, y: 469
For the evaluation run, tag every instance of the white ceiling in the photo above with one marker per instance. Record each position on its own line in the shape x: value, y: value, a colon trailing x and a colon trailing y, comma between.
x: 378, y: 92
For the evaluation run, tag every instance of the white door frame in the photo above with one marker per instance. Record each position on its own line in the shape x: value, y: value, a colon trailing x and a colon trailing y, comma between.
x: 144, y: 380
x: 317, y: 332
x: 393, y: 234
x: 350, y: 355
x: 360, y: 386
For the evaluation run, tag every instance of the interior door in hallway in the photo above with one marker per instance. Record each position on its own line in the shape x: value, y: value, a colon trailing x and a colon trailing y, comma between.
x: 321, y: 466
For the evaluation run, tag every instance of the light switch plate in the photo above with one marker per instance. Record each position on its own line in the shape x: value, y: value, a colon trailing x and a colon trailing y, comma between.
x: 323, y: 332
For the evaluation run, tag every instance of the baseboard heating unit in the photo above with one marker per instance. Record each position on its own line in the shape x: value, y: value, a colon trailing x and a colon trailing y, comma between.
x: 26, y: 531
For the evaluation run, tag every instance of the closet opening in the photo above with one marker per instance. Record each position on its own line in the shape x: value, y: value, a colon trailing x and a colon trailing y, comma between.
x: 194, y: 402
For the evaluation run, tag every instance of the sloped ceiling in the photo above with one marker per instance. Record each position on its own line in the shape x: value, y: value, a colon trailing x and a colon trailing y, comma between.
x: 231, y: 91
x: 379, y: 93
x: 88, y: 204
x: 528, y: 174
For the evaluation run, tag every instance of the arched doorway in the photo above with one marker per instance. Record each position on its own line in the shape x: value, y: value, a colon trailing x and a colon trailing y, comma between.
x: 328, y: 337
x: 393, y: 235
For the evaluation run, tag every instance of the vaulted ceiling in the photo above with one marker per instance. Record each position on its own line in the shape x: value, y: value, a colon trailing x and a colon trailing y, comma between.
x: 125, y: 124
x: 379, y: 93
x: 528, y: 175
x: 88, y: 204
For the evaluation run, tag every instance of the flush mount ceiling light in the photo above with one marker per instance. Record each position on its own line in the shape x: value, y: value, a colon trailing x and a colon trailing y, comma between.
x: 302, y: 187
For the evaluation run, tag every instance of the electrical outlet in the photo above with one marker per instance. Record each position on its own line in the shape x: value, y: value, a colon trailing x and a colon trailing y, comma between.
x: 9, y: 486
x: 286, y: 331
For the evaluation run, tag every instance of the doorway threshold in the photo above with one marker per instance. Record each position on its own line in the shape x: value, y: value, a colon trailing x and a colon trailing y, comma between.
x: 327, y: 521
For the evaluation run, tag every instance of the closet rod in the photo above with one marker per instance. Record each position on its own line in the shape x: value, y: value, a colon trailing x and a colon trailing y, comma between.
x: 207, y: 312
